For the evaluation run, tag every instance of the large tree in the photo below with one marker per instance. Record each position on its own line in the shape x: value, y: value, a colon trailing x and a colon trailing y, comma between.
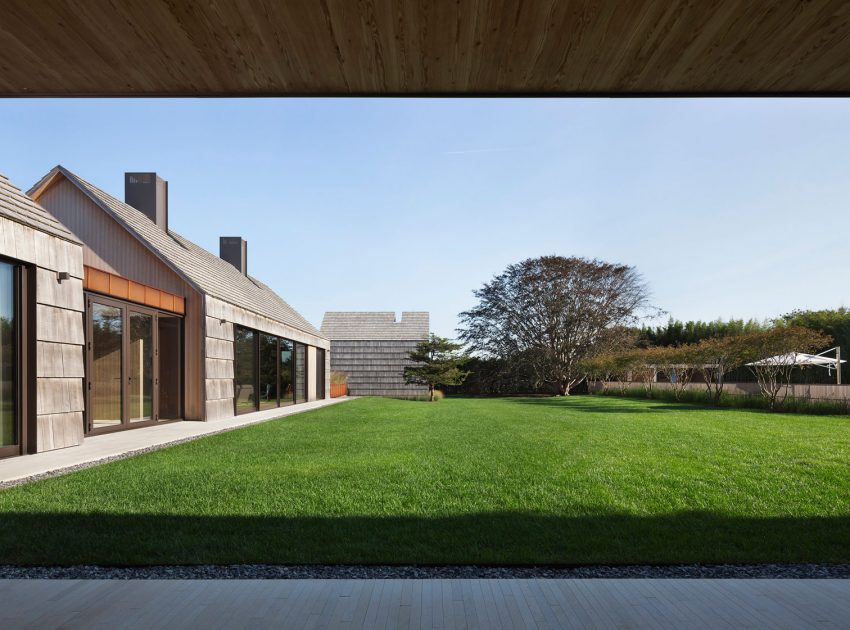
x: 436, y: 361
x: 552, y: 312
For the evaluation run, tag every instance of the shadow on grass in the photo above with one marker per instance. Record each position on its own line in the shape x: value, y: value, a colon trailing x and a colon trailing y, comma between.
x: 492, y: 538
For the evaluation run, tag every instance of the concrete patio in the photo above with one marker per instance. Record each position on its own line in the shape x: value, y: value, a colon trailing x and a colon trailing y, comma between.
x: 505, y: 603
x: 103, y: 448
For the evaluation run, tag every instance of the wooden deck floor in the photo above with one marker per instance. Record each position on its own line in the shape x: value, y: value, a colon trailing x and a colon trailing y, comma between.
x: 425, y: 603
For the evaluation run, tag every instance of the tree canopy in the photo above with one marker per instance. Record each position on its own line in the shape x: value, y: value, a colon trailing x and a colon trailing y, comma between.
x: 436, y: 362
x: 551, y: 312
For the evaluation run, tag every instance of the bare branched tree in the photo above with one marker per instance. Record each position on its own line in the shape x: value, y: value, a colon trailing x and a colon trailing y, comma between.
x: 552, y: 312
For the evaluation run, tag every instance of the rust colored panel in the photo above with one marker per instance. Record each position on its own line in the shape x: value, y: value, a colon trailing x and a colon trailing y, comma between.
x: 119, y: 287
x: 179, y: 305
x: 98, y: 281
x: 137, y: 292
x: 151, y: 297
x: 166, y: 301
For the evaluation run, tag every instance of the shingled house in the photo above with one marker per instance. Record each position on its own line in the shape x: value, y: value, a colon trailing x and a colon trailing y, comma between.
x: 41, y: 328
x: 372, y: 349
x: 173, y: 331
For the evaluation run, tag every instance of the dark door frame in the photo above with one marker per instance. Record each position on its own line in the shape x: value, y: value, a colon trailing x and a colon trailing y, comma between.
x: 25, y: 383
x: 126, y: 308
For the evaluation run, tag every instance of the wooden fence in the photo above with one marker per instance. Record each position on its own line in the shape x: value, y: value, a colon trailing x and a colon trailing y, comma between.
x: 839, y: 393
x: 339, y: 389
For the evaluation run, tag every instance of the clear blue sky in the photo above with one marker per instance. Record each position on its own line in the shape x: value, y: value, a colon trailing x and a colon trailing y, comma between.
x: 727, y: 207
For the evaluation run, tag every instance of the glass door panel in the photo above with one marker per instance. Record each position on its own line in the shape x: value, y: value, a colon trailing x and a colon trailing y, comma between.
x: 170, y: 368
x: 268, y: 371
x: 106, y: 361
x: 140, y: 378
x: 287, y: 393
x: 300, y: 373
x: 246, y: 370
x: 8, y: 415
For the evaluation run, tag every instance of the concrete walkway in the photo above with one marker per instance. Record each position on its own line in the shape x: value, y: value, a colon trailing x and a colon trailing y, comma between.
x: 792, y: 604
x: 101, y: 448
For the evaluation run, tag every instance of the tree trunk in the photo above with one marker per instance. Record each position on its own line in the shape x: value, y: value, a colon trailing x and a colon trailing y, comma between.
x: 431, y: 392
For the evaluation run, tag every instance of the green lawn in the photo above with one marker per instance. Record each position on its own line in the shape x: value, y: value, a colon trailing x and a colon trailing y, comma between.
x: 556, y: 481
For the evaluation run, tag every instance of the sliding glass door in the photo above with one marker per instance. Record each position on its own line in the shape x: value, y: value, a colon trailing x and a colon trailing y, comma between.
x: 270, y: 371
x: 106, y: 362
x: 140, y: 379
x: 134, y: 365
x: 170, y: 379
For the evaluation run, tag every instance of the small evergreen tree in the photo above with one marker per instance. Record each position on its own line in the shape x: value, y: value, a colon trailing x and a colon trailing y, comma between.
x: 437, y: 363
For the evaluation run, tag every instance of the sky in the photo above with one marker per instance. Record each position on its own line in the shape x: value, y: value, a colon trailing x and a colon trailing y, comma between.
x: 727, y: 207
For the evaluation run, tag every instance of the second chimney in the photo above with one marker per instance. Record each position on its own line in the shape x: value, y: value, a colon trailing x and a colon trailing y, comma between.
x: 148, y: 193
x: 234, y: 249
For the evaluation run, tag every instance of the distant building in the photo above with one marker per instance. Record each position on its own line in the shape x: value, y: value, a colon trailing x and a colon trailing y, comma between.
x: 372, y: 348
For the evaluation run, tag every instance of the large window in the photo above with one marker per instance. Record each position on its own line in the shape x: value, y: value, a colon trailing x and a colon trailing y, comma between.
x: 270, y: 371
x: 245, y: 370
x: 287, y: 392
x: 300, y: 373
x: 8, y: 360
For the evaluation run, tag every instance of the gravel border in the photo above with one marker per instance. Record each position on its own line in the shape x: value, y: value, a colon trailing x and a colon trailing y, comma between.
x: 289, y: 572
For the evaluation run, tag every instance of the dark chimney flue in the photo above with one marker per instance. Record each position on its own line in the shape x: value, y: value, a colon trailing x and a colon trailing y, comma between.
x: 148, y: 193
x: 234, y: 249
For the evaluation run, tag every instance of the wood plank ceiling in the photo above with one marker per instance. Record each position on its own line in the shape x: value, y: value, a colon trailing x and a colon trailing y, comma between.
x: 409, y: 47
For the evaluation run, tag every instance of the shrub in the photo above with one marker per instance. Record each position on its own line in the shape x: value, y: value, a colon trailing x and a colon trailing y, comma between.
x: 339, y: 378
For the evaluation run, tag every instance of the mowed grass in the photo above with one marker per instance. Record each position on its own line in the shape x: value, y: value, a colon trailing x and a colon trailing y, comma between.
x: 503, y: 481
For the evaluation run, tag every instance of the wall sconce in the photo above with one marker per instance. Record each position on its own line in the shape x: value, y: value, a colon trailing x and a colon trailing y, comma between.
x: 222, y: 321
x: 62, y: 275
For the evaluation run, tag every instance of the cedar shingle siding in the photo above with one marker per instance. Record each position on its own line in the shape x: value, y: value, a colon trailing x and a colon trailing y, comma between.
x: 373, y: 349
x: 30, y: 235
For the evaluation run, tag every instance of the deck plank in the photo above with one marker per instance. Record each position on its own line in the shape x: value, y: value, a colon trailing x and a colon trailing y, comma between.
x: 505, y: 603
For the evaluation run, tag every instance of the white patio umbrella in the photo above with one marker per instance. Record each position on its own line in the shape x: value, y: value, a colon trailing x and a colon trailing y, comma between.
x: 804, y: 359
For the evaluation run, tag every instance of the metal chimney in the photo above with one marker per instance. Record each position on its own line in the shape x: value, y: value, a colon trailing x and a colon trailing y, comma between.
x: 148, y: 193
x: 234, y: 249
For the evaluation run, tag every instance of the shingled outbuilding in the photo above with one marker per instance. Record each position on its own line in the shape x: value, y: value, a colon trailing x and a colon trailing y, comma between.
x: 373, y: 348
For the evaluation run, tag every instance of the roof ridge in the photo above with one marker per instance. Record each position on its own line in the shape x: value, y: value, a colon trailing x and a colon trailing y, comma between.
x: 206, y: 272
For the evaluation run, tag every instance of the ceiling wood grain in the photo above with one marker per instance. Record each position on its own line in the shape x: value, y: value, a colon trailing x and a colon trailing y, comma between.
x: 409, y: 47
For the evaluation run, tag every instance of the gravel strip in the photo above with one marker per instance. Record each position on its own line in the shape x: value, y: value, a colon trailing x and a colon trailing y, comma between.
x: 289, y: 572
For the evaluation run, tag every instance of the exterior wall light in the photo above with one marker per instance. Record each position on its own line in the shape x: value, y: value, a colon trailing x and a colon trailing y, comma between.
x: 62, y: 275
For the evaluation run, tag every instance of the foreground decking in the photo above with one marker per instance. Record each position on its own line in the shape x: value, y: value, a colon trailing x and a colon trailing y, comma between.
x: 425, y: 603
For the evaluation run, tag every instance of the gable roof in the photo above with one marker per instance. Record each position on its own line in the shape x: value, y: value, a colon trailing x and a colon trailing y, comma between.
x: 18, y: 207
x: 202, y: 269
x: 380, y: 325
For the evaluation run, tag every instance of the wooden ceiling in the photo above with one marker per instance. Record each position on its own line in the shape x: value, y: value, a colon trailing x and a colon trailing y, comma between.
x: 425, y: 47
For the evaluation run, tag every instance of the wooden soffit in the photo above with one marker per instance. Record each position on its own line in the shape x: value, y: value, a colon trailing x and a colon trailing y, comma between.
x: 115, y: 286
x: 420, y: 47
